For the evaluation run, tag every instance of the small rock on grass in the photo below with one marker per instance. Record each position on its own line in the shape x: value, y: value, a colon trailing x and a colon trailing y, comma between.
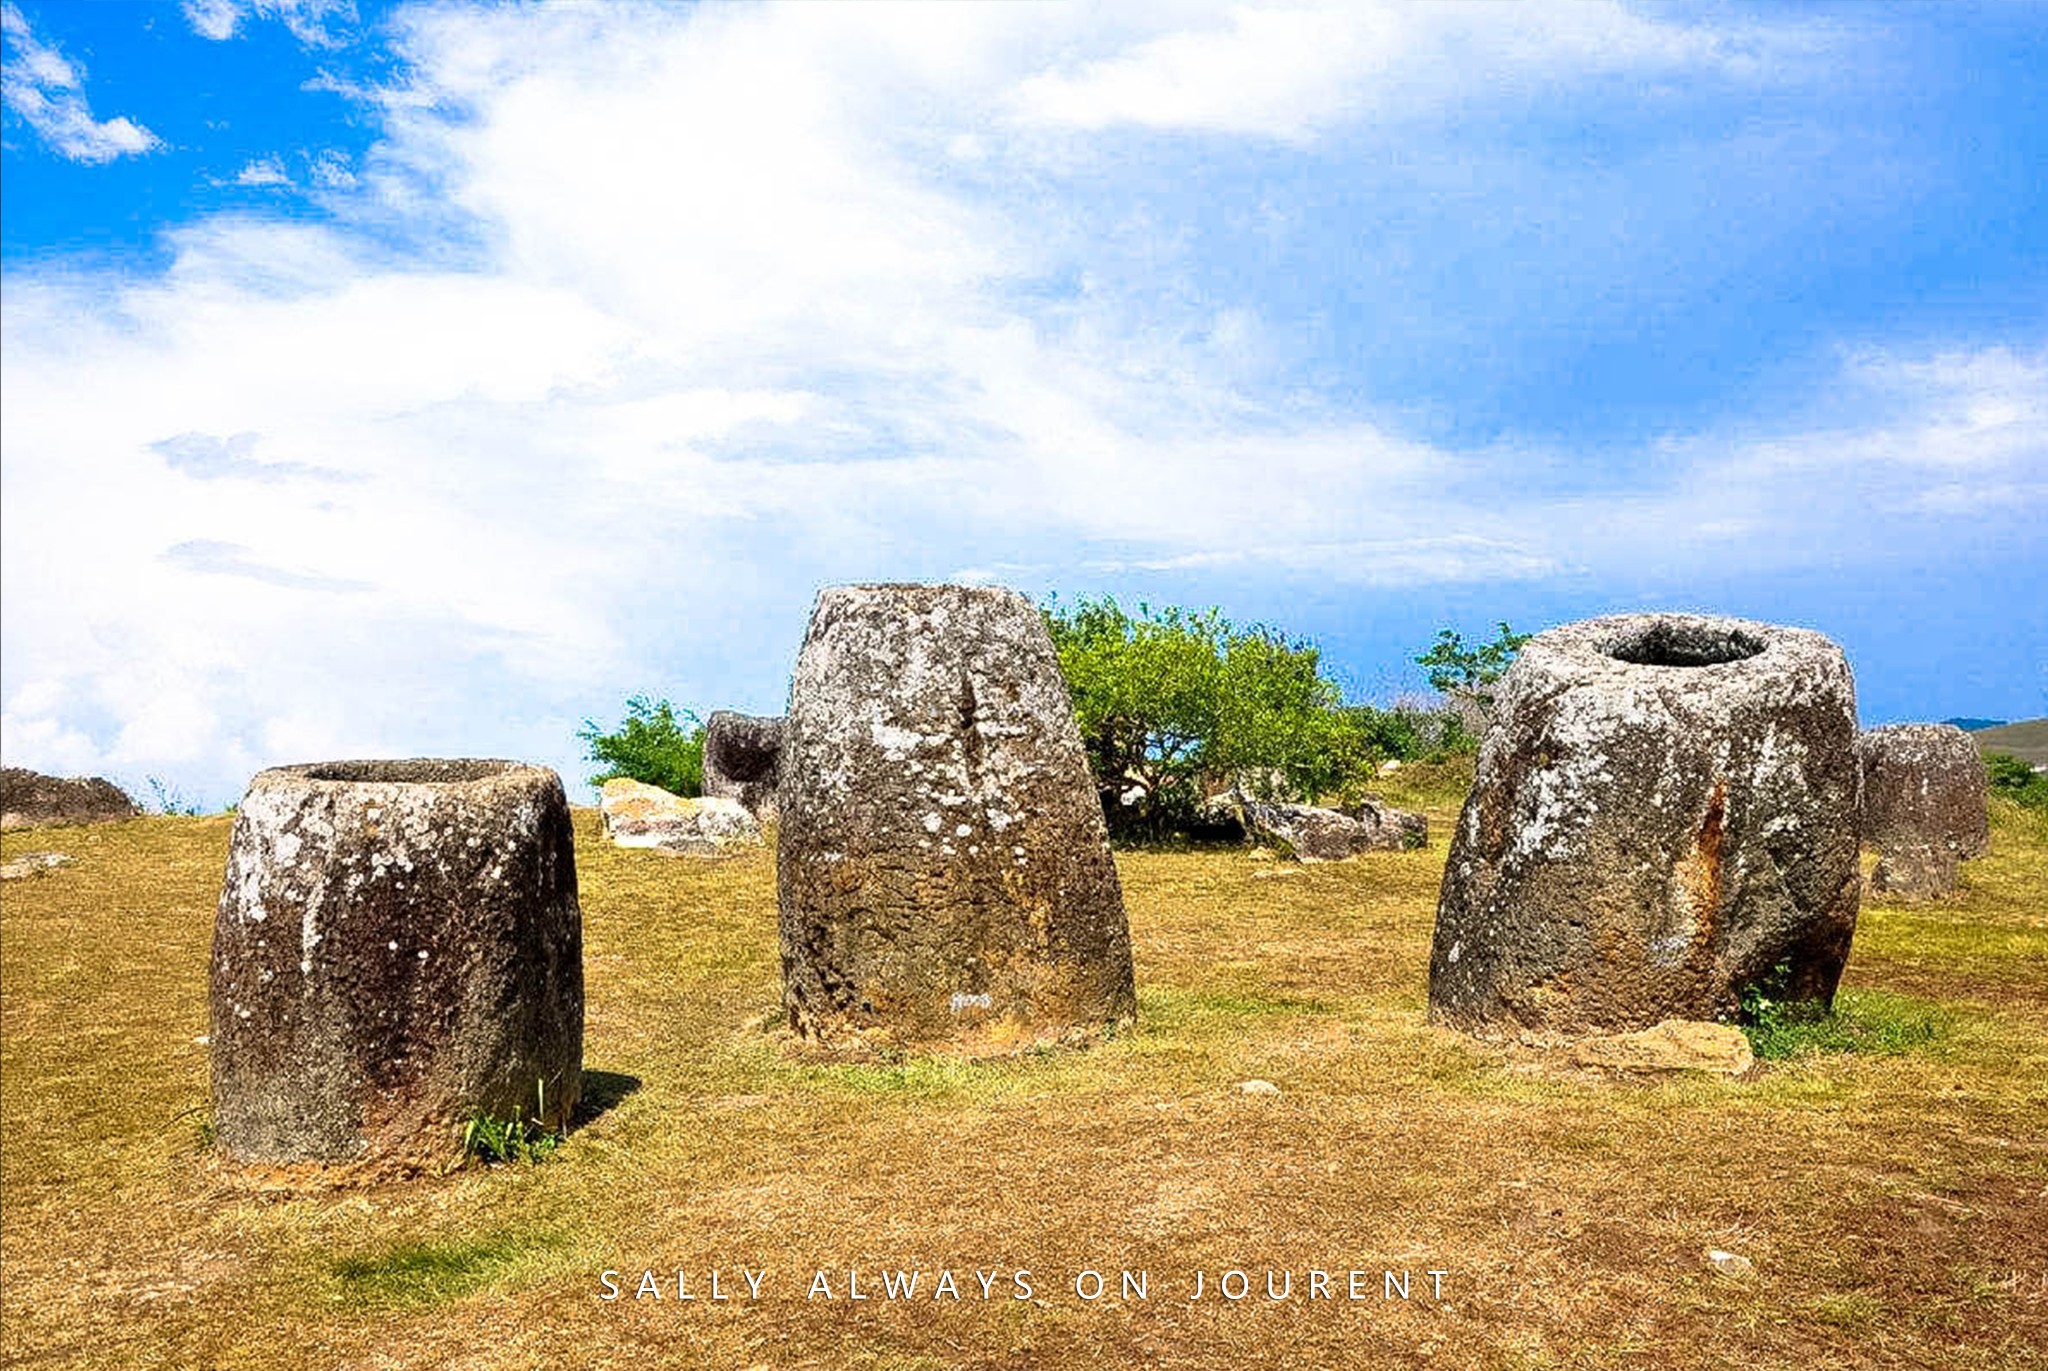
x: 1730, y: 1263
x: 641, y: 815
x: 32, y: 864
x: 1257, y: 1088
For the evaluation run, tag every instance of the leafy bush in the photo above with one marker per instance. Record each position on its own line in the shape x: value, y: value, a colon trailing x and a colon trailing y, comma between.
x: 656, y: 744
x: 1174, y: 702
x: 1412, y: 733
x: 2016, y: 779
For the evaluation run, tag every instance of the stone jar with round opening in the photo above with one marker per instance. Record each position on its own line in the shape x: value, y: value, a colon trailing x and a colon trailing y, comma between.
x: 398, y: 948
x: 1662, y: 825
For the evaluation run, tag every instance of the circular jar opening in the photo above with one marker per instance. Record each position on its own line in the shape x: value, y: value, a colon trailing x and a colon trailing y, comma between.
x: 413, y: 771
x: 1682, y: 642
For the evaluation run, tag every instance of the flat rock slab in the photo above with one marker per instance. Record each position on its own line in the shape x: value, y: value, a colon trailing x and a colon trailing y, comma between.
x: 1663, y: 818
x: 944, y: 872
x: 1673, y: 1045
x: 29, y: 799
x: 1310, y: 833
x: 398, y: 947
x: 742, y: 757
x: 640, y: 815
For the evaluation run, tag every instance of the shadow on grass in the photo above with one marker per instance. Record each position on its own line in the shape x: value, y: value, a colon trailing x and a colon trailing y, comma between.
x: 419, y: 1274
x: 602, y: 1092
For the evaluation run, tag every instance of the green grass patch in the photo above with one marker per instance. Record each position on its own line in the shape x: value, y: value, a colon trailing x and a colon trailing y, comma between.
x: 1870, y: 1022
x: 492, y: 1140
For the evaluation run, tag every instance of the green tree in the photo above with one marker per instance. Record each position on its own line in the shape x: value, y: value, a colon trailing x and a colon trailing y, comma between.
x: 657, y: 744
x: 1174, y: 702
x: 1469, y: 673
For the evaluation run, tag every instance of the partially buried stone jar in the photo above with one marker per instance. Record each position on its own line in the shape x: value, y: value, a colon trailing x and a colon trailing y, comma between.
x: 1662, y: 821
x: 398, y: 947
x: 945, y: 874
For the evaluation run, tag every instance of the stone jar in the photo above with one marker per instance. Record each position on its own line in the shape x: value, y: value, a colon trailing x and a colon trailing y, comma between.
x: 1925, y: 805
x: 398, y: 947
x: 945, y: 874
x: 742, y: 753
x: 1662, y: 823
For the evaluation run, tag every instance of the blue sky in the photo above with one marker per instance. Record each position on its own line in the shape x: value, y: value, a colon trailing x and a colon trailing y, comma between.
x: 389, y: 379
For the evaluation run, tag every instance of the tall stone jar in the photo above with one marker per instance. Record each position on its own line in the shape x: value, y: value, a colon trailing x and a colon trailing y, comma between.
x: 398, y: 948
x: 944, y: 869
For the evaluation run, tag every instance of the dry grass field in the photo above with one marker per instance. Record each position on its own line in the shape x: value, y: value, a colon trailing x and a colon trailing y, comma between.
x: 1893, y: 1198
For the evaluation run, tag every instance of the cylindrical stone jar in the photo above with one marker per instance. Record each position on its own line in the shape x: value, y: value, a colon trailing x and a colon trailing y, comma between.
x: 1925, y: 805
x: 398, y: 948
x: 1662, y: 822
x: 1926, y: 783
x: 944, y: 870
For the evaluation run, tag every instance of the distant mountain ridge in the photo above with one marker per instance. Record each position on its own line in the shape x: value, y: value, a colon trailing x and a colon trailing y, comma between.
x: 1974, y: 725
x: 2027, y: 740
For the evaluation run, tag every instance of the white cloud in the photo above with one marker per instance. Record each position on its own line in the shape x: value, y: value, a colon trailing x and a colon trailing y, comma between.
x: 739, y: 302
x: 1286, y: 71
x: 330, y: 170
x: 263, y: 171
x: 47, y: 92
x: 310, y: 21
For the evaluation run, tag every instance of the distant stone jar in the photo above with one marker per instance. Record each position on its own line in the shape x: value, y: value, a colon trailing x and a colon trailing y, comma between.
x: 1925, y: 803
x: 742, y: 753
x: 945, y: 874
x: 398, y: 947
x: 1662, y: 821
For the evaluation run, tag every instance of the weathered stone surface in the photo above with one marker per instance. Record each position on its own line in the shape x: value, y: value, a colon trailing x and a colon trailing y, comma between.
x: 945, y: 875
x: 640, y: 815
x: 1310, y: 833
x: 1923, y: 801
x: 1913, y: 871
x: 29, y: 799
x: 1392, y: 829
x: 1673, y: 1045
x: 1663, y: 817
x: 742, y: 753
x: 398, y: 946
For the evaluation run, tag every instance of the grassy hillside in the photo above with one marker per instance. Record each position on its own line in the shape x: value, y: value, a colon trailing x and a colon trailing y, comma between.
x: 2027, y: 739
x: 1894, y: 1203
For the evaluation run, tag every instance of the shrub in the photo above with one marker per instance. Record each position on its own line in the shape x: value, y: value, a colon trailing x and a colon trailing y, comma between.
x: 656, y: 744
x: 1173, y: 703
x: 2016, y: 779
